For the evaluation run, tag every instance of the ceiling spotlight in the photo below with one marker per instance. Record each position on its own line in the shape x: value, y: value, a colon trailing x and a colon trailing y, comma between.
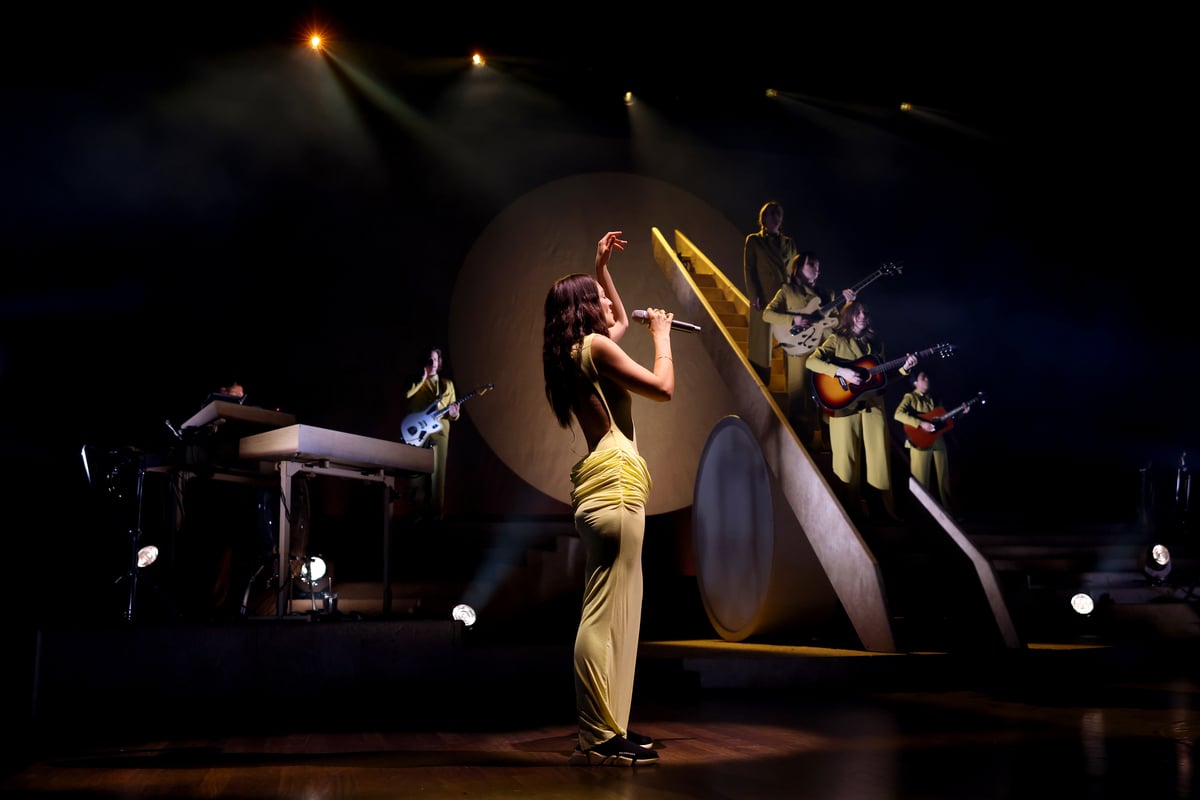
x: 629, y: 98
x: 772, y: 93
x: 477, y: 60
x: 464, y: 614
x: 1083, y: 604
x: 315, y: 41
x: 906, y: 106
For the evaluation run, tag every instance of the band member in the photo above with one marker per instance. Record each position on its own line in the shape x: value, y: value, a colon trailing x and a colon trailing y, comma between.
x: 765, y: 262
x: 435, y: 388
x: 921, y: 460
x: 858, y: 432
x: 800, y: 292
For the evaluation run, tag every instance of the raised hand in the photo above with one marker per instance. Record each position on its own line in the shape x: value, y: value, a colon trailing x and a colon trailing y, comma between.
x: 605, y: 246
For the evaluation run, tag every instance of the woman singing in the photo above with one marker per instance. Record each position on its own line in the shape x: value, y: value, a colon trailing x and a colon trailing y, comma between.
x: 590, y: 378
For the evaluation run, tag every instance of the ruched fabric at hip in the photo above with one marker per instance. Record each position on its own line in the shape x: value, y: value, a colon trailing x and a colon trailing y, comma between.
x: 613, y: 475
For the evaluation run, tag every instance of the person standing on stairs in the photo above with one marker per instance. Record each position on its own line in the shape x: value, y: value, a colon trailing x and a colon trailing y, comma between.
x: 590, y: 379
x: 801, y: 293
x: 858, y: 433
x: 935, y: 456
x: 765, y: 261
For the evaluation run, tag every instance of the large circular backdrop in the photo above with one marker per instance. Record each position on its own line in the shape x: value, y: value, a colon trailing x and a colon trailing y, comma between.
x: 497, y: 318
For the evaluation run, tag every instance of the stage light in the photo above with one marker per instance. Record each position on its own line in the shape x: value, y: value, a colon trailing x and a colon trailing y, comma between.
x: 147, y: 556
x: 629, y: 98
x: 477, y: 60
x: 1083, y: 604
x: 315, y: 42
x: 314, y: 576
x: 772, y: 93
x: 464, y: 614
x: 906, y: 106
x: 87, y: 471
x: 314, y: 581
x: 1156, y: 561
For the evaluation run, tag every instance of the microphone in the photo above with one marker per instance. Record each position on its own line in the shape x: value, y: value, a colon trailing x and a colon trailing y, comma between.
x: 676, y: 325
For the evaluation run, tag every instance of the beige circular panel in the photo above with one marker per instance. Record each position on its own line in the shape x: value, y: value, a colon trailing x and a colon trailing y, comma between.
x: 732, y: 522
x: 497, y: 318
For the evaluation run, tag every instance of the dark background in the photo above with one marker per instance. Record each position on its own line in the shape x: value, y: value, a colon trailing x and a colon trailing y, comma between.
x: 176, y: 215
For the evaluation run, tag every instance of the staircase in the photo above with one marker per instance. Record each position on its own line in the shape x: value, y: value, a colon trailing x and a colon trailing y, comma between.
x: 731, y: 307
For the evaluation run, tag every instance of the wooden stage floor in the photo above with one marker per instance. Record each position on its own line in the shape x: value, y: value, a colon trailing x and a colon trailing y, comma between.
x: 382, y: 709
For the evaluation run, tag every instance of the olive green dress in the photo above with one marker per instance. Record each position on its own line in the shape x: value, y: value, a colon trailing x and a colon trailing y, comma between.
x: 610, y: 488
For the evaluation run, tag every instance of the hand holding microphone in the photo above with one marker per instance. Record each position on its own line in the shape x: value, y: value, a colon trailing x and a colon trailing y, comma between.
x: 676, y: 325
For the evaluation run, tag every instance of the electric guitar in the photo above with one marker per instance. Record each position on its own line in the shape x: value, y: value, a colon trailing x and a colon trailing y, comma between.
x: 797, y: 340
x: 835, y: 393
x: 420, y: 425
x: 944, y: 420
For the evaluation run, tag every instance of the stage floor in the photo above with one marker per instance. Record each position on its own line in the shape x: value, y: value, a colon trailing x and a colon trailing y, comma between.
x: 439, y: 715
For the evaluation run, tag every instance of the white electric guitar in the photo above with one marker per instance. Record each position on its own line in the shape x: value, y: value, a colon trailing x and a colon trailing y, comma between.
x: 797, y: 340
x: 420, y: 425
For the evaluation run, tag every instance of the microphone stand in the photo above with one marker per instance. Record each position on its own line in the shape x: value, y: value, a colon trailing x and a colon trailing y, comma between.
x: 135, y: 536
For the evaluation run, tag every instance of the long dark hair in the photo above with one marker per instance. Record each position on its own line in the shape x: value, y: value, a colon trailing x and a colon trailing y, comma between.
x: 796, y: 267
x: 845, y: 326
x: 572, y: 312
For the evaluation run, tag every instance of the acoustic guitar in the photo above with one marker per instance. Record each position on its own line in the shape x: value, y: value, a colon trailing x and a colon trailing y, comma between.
x: 834, y: 393
x: 943, y: 419
x: 420, y: 425
x: 796, y: 340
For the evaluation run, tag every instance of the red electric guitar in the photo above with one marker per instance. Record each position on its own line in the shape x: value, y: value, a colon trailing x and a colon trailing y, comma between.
x: 943, y: 419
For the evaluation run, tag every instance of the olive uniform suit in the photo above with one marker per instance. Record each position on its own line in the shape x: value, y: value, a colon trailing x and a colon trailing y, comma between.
x: 765, y: 263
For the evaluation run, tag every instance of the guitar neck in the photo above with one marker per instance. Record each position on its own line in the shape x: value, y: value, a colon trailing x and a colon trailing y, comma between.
x: 897, y: 362
x: 951, y: 414
x: 961, y: 408
x: 858, y: 287
x: 441, y: 412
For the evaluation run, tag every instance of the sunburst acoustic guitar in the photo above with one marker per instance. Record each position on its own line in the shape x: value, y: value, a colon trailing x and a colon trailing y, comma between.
x: 834, y: 393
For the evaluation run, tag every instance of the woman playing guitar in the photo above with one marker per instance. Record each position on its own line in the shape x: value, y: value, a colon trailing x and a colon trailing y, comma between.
x: 914, y: 411
x: 858, y: 432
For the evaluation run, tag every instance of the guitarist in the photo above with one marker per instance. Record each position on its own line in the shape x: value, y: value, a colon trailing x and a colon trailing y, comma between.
x: 800, y: 292
x: 858, y: 432
x: 912, y: 406
x: 434, y: 387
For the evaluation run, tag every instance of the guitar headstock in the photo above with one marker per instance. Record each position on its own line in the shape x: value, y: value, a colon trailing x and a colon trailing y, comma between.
x: 942, y: 350
x: 890, y: 268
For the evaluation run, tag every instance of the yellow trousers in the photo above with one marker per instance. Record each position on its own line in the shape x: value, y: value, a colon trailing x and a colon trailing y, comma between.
x: 921, y: 462
x: 859, y: 437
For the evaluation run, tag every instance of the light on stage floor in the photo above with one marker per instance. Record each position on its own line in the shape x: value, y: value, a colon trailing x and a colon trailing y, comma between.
x: 1156, y: 562
x: 147, y: 556
x: 313, y: 577
x: 464, y: 614
x: 313, y: 581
